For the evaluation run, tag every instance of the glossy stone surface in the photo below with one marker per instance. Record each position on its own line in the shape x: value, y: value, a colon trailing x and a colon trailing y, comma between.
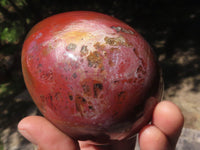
x: 91, y: 75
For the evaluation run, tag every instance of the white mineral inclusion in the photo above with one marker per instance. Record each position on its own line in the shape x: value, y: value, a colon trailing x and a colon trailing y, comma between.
x: 84, y: 32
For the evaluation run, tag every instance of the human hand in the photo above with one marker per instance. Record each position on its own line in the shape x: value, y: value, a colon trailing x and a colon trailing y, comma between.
x: 162, y: 134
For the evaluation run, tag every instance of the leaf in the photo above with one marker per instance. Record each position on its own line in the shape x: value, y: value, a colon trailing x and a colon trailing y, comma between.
x: 11, y: 33
x: 4, y: 3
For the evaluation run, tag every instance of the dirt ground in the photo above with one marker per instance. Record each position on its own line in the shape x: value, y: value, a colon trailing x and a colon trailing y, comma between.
x: 188, y: 101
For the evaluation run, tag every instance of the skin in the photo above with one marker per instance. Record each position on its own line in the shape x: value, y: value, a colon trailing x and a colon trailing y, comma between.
x: 162, y: 134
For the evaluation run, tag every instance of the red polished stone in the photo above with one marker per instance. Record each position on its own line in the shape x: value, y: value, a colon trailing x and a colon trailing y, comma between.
x: 91, y: 75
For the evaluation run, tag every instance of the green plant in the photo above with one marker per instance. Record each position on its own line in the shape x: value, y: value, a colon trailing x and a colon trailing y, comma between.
x: 1, y: 146
x: 11, y: 33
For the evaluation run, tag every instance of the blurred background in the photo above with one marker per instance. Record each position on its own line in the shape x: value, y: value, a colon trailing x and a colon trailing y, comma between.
x: 172, y: 28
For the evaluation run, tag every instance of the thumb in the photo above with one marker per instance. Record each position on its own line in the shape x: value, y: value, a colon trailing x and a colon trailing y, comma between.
x: 45, y: 135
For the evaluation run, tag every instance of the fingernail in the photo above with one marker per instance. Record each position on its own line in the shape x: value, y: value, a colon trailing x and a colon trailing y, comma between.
x: 27, y: 135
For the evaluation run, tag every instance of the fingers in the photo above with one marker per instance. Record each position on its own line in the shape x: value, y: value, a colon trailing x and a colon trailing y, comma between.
x: 151, y: 138
x: 115, y: 145
x: 166, y: 127
x: 41, y: 132
x: 163, y: 134
x: 169, y: 119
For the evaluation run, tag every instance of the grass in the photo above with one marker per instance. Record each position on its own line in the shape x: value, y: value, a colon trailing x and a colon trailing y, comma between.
x: 10, y: 88
x: 1, y: 146
x: 4, y: 90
